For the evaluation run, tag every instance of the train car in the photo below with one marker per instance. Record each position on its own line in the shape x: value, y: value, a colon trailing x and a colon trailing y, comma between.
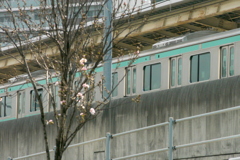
x: 185, y: 60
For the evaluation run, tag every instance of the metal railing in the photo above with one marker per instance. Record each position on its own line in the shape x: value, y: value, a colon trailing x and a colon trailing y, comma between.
x: 109, y: 137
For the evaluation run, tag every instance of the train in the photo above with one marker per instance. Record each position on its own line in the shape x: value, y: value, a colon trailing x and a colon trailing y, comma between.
x: 197, y: 57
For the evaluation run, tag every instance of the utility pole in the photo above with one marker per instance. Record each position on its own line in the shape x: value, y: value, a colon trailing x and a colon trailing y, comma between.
x: 107, y: 66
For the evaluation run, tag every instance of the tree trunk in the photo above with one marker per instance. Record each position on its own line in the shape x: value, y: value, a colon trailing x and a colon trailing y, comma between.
x: 58, y: 151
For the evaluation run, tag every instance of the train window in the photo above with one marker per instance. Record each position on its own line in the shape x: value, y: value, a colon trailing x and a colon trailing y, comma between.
x: 152, y: 77
x: 224, y: 62
x: 227, y: 61
x: 56, y: 95
x: 175, y: 71
x: 54, y: 91
x: 179, y: 71
x: 20, y: 103
x: 34, y: 104
x: 231, y: 62
x: 5, y: 106
x: 134, y: 82
x: 114, y: 84
x: 130, y: 83
x: 200, y: 67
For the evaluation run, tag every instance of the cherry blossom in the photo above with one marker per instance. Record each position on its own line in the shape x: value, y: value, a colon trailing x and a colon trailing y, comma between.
x: 82, y: 61
x: 80, y: 95
x: 92, y: 111
x: 63, y: 102
x: 85, y: 85
x: 83, y: 69
x: 49, y: 122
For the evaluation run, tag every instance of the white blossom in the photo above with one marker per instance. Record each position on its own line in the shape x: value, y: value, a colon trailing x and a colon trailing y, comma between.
x: 85, y: 85
x: 83, y: 69
x: 63, y: 102
x: 79, y: 94
x: 92, y: 111
x: 82, y: 61
x: 49, y: 122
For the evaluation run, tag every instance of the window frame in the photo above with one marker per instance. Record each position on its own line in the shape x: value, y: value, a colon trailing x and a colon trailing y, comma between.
x: 198, y: 67
x: 228, y: 61
x: 132, y: 80
x: 35, y: 101
x: 4, y: 104
x: 114, y: 88
x: 151, y: 77
x: 21, y: 103
x: 54, y: 91
x: 177, y: 71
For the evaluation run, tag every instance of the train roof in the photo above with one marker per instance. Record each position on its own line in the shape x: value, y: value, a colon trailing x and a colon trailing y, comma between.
x: 194, y: 40
x: 184, y: 38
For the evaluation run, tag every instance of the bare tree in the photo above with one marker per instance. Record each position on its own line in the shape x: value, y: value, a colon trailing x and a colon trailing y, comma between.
x: 65, y: 38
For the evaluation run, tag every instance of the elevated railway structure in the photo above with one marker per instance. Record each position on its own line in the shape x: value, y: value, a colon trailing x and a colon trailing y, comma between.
x: 164, y: 21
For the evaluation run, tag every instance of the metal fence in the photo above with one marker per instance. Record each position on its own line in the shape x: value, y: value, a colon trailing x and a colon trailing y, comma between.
x: 110, y: 137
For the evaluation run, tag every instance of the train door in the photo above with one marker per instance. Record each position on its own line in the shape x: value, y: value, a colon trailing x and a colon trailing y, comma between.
x: 21, y: 104
x: 34, y: 104
x: 130, y: 80
x: 175, y: 71
x: 53, y: 97
x: 227, y: 61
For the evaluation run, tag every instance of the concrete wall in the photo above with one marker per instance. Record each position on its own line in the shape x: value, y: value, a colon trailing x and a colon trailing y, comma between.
x: 24, y: 136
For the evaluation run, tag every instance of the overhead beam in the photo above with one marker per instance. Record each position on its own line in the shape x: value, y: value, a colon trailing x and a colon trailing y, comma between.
x: 15, y: 58
x: 219, y: 23
x: 146, y: 47
x: 145, y: 40
x: 169, y: 34
x: 191, y: 14
x: 127, y: 46
x: 192, y: 27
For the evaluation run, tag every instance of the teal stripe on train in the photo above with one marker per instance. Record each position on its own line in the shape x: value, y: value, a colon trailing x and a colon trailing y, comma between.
x: 177, y: 51
x: 8, y: 119
x: 26, y: 85
x: 125, y: 63
x: 196, y: 47
x: 221, y: 41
